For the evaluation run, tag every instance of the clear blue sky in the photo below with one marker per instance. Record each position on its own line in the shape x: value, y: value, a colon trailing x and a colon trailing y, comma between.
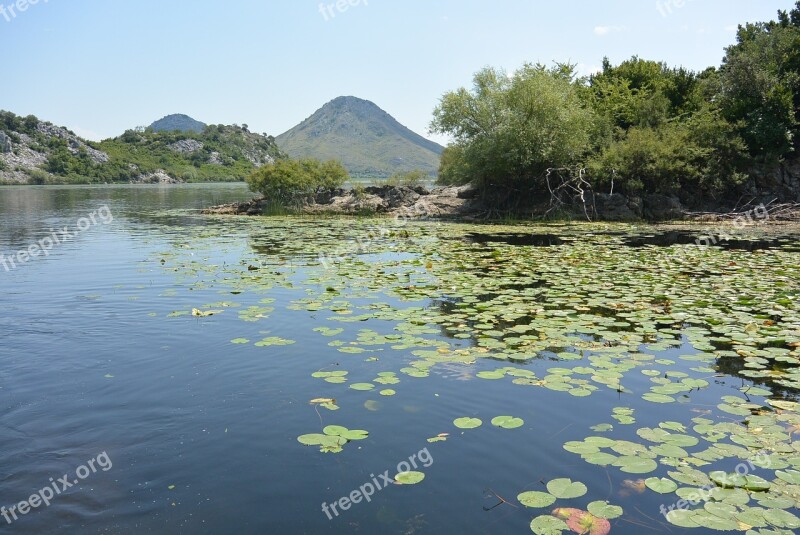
x: 102, y: 66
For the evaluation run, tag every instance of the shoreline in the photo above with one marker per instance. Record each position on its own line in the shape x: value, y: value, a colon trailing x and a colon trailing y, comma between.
x: 464, y: 204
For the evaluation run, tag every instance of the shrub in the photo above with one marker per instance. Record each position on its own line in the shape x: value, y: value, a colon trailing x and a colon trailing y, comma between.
x: 37, y: 177
x: 411, y: 179
x: 290, y: 182
x: 509, y: 130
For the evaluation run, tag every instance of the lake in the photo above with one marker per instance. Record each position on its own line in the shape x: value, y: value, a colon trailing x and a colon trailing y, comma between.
x: 198, y: 374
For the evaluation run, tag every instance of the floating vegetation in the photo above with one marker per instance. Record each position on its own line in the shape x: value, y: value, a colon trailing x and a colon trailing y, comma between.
x: 274, y: 341
x: 332, y: 438
x: 467, y: 423
x: 335, y: 377
x: 409, y: 478
x: 686, y: 359
x: 507, y: 422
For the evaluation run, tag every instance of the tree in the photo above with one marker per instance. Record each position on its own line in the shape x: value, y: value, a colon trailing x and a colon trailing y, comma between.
x: 694, y: 157
x: 410, y: 179
x: 453, y: 167
x: 509, y: 130
x: 639, y: 92
x: 760, y: 84
x: 288, y: 182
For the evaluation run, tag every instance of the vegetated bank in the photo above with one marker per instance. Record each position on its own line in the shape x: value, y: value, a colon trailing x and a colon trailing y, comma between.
x: 37, y: 152
x: 638, y: 139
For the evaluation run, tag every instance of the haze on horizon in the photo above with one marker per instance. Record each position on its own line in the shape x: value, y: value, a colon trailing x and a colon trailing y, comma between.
x: 100, y: 68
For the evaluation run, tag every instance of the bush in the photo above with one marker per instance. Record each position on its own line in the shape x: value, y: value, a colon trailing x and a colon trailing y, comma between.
x: 411, y: 179
x: 37, y: 177
x: 702, y: 155
x: 289, y: 182
x: 454, y: 168
x: 509, y: 130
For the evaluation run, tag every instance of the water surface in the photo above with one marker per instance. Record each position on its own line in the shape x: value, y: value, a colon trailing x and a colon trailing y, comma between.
x: 564, y: 326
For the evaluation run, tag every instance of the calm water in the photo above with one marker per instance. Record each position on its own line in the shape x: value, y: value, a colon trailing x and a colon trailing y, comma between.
x: 99, y: 353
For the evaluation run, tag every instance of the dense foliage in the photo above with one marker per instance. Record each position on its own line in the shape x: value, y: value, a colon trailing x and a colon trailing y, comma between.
x: 289, y: 182
x: 228, y: 153
x: 641, y: 125
x: 219, y: 153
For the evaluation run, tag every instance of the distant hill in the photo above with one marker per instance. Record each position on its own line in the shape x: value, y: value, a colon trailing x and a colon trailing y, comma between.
x: 37, y: 152
x: 178, y: 122
x: 366, y: 139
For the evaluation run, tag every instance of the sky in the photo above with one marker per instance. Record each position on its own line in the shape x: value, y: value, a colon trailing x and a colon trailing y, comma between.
x: 100, y: 67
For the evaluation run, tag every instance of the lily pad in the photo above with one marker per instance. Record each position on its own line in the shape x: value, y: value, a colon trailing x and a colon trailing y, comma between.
x: 535, y: 499
x: 507, y: 422
x: 409, y: 478
x: 566, y: 489
x: 467, y: 423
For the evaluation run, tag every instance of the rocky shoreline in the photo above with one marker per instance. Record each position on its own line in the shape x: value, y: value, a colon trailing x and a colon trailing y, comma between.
x: 464, y: 203
x: 400, y: 201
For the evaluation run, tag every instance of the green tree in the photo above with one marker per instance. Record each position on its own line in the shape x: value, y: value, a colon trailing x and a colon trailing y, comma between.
x: 702, y: 155
x: 289, y: 182
x: 509, y: 130
x: 760, y: 84
x: 59, y: 162
x: 410, y: 179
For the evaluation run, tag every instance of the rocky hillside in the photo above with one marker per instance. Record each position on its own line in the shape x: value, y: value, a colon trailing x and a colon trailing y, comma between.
x: 366, y: 139
x: 28, y: 147
x: 178, y: 122
x: 37, y: 152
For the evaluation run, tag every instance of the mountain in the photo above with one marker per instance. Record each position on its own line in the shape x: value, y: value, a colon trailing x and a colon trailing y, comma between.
x: 366, y: 139
x: 37, y: 152
x: 178, y: 122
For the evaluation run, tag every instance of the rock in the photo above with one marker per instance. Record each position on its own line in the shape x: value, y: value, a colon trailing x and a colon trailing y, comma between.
x: 253, y: 207
x: 661, y: 208
x: 158, y: 177
x: 401, y: 196
x: 5, y: 143
x: 399, y: 201
x: 791, y: 178
x: 186, y: 146
x: 74, y: 144
x: 257, y: 157
x: 394, y: 196
x: 611, y: 207
x: 469, y: 191
x: 380, y: 191
x: 352, y: 203
x: 327, y: 196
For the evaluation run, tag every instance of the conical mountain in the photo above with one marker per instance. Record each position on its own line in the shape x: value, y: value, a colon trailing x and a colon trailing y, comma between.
x: 178, y: 122
x: 365, y: 138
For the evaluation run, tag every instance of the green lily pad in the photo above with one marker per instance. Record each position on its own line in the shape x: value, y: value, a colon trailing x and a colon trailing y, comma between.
x: 661, y: 485
x: 536, y: 499
x: 362, y: 386
x: 565, y: 488
x: 507, y: 422
x: 467, y: 423
x: 548, y: 525
x: 409, y: 478
x: 602, y: 509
